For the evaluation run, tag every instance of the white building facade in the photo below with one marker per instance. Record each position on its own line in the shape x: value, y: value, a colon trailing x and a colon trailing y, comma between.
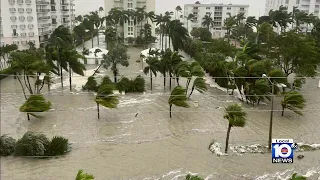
x: 24, y: 21
x: 307, y: 6
x: 219, y: 12
x: 130, y: 30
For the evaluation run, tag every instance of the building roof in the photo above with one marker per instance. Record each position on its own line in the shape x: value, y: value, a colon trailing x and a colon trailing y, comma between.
x: 213, y: 5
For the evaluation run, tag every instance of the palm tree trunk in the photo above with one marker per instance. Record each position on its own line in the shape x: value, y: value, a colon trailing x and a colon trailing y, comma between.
x: 164, y: 80
x: 282, y: 111
x: 82, y: 43
x: 191, y: 91
x: 28, y: 116
x: 70, y: 78
x: 98, y: 38
x: 177, y: 79
x: 31, y: 92
x: 151, y: 79
x: 187, y: 86
x: 170, y: 81
x: 24, y: 92
x: 227, y: 139
x: 92, y: 40
x: 169, y: 42
x: 98, y: 109
x: 170, y: 110
x: 61, y: 77
x: 166, y: 42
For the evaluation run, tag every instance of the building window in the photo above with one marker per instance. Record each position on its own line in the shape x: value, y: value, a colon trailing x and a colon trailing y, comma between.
x: 28, y: 1
x: 228, y: 14
x: 12, y: 1
x: 287, y: 1
x: 30, y: 18
x: 22, y: 26
x: 53, y: 8
x: 130, y: 5
x: 14, y: 32
x: 12, y: 10
x: 298, y: 2
x: 30, y: 26
x: 241, y: 9
x: 195, y: 13
x: 195, y: 8
x: 13, y: 18
x: 208, y: 13
x: 207, y: 7
x: 21, y: 10
x: 218, y: 8
x: 29, y: 10
x: 54, y: 21
x: 228, y: 8
x: 218, y: 18
x: 22, y: 18
x: 20, y: 1
x: 217, y: 13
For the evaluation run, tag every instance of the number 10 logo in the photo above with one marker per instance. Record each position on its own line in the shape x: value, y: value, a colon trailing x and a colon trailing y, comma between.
x: 282, y: 151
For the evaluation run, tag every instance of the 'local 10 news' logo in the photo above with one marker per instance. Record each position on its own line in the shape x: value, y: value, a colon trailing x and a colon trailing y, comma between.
x: 282, y: 150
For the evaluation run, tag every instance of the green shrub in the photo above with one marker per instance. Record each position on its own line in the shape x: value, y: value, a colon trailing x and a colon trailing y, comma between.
x: 58, y: 146
x: 106, y: 80
x: 6, y: 145
x: 91, y: 84
x: 191, y: 177
x: 138, y: 84
x: 84, y: 176
x: 124, y: 85
x: 32, y: 144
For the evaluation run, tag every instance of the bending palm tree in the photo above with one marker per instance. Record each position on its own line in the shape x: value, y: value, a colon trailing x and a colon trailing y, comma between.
x: 35, y: 103
x: 177, y: 33
x: 189, y: 18
x: 293, y: 101
x: 200, y: 85
x: 207, y: 21
x: 178, y: 97
x: 106, y: 98
x: 152, y: 68
x: 236, y: 117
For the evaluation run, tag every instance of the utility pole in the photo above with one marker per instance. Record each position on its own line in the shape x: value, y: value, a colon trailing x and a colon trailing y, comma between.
x: 271, y: 115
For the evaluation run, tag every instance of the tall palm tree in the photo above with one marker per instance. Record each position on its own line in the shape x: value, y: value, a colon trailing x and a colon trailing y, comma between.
x: 89, y: 24
x: 189, y: 18
x: 293, y: 101
x: 140, y: 15
x: 251, y: 22
x: 80, y: 32
x: 35, y: 103
x: 97, y: 21
x: 236, y: 117
x: 178, y: 34
x: 188, y: 70
x: 119, y: 17
x: 178, y: 9
x: 299, y: 17
x: 152, y: 68
x: 172, y: 59
x: 110, y: 36
x: 165, y: 26
x: 229, y: 24
x: 106, y: 98
x: 199, y: 84
x: 239, y: 18
x: 117, y: 55
x: 178, y: 97
x: 159, y: 19
x: 207, y: 21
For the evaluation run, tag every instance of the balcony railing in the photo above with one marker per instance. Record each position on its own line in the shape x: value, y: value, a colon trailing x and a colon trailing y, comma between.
x: 42, y: 2
x: 12, y: 2
x: 22, y: 26
x: 14, y: 26
x: 44, y: 18
x: 44, y: 25
x: 54, y: 24
x: 64, y: 4
x: 52, y: 2
x: 29, y: 10
x: 31, y: 34
x: 20, y: 1
x: 15, y: 34
x: 66, y: 22
x: 45, y: 32
x: 65, y: 10
x: 43, y: 10
x: 23, y: 34
x: 28, y: 1
x: 20, y: 10
x: 29, y: 18
x: 12, y: 10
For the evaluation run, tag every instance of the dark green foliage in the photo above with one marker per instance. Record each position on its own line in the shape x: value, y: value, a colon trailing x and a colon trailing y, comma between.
x: 293, y: 101
x: 84, y: 176
x: 6, y: 145
x: 91, y: 84
x: 178, y: 97
x: 105, y: 96
x: 32, y: 144
x: 35, y: 103
x: 191, y: 177
x: 295, y: 177
x: 202, y: 34
x: 135, y: 85
x: 105, y: 80
x: 58, y: 146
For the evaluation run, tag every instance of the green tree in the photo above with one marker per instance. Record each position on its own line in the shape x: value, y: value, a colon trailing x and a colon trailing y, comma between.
x: 5, y: 55
x: 293, y: 101
x: 89, y: 25
x: 295, y: 177
x: 191, y: 177
x: 32, y: 144
x: 84, y: 176
x: 190, y: 17
x: 120, y: 17
x: 178, y: 9
x: 80, y: 32
x: 117, y: 55
x: 91, y: 84
x: 106, y: 98
x: 177, y: 34
x: 236, y: 117
x: 229, y: 24
x: 200, y: 85
x: 58, y: 146
x: 178, y: 97
x: 35, y: 103
x: 110, y: 36
x: 97, y: 21
x: 6, y: 145
x: 152, y: 68
x: 207, y: 21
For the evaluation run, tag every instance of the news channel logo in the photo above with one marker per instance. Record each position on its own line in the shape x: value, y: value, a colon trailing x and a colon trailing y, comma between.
x: 282, y: 150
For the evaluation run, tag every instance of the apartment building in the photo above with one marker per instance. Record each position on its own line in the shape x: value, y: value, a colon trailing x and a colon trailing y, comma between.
x: 24, y: 21
x: 308, y: 6
x: 219, y: 12
x: 130, y: 30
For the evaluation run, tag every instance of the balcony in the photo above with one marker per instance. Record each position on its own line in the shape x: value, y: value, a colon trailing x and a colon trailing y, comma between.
x: 14, y: 26
x: 28, y: 1
x: 13, y: 18
x: 12, y: 2
x: 44, y: 25
x: 15, y: 35
x: 65, y: 10
x: 44, y: 18
x: 30, y: 26
x: 16, y: 42
x: 52, y: 2
x: 43, y: 10
x: 20, y: 10
x: 31, y: 34
x: 54, y: 24
x: 42, y: 2
x: 20, y: 1
x: 65, y: 16
x: 64, y: 4
x: 22, y: 26
x: 195, y: 10
x: 29, y: 18
x: 22, y: 18
x: 12, y: 10
x: 28, y: 10
x: 44, y: 32
x: 23, y: 34
x: 66, y: 22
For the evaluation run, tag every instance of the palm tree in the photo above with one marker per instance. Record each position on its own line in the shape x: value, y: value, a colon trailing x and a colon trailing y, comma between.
x: 35, y: 103
x: 229, y: 24
x: 110, y: 36
x: 178, y: 9
x: 172, y: 59
x: 250, y: 22
x: 178, y: 97
x: 72, y: 57
x: 295, y: 177
x: 97, y: 21
x: 236, y: 117
x: 89, y: 24
x: 159, y: 19
x: 189, y: 18
x: 106, y: 98
x: 152, y: 68
x: 80, y: 32
x: 239, y: 18
x: 117, y: 55
x: 293, y: 101
x: 188, y: 70
x: 207, y: 21
x: 177, y: 33
x: 165, y: 26
x: 119, y: 17
x: 199, y: 84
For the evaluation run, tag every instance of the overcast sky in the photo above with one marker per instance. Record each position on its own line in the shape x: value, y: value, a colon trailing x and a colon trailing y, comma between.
x: 256, y: 6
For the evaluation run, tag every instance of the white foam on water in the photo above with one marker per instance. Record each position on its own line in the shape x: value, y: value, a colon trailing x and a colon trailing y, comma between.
x: 171, y: 173
x: 133, y: 101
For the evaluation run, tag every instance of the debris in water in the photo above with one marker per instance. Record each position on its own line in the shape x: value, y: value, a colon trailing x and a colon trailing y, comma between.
x: 300, y: 156
x: 136, y: 114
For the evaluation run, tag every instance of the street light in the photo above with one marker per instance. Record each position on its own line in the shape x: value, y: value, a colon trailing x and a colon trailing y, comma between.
x: 271, y: 112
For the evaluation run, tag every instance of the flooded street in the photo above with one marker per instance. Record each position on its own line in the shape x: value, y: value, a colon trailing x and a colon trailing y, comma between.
x: 150, y: 145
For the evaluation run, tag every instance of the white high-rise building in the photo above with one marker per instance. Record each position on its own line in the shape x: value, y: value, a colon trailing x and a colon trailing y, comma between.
x: 219, y: 12
x: 24, y: 21
x: 130, y: 30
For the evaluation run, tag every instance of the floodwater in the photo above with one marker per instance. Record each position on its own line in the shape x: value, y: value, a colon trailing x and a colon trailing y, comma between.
x: 139, y: 140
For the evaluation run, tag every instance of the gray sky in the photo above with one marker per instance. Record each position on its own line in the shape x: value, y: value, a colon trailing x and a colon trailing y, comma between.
x: 256, y: 6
